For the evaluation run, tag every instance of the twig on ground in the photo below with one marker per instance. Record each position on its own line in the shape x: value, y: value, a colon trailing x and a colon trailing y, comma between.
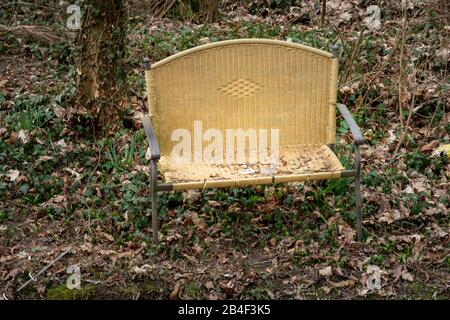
x: 405, y: 131
x: 400, y: 71
x: 356, y: 49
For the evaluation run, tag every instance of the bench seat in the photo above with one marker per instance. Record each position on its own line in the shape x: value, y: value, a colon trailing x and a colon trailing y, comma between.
x: 297, y: 163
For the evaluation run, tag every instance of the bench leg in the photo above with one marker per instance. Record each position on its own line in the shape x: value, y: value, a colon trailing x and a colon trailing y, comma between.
x: 154, y: 201
x: 358, y: 202
x: 359, y: 230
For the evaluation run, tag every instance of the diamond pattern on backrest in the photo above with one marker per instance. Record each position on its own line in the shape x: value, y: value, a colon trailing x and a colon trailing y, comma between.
x: 240, y: 88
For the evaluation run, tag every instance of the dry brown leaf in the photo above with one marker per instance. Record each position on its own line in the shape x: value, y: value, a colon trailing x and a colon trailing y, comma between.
x: 390, y: 216
x: 45, y: 158
x: 430, y: 146
x: 397, y: 273
x: 176, y: 290
x: 213, y: 296
x: 209, y: 285
x: 347, y: 234
x: 256, y: 220
x: 270, y: 294
x: 108, y: 236
x: 222, y: 258
x: 438, y: 231
x: 3, y: 131
x: 326, y: 272
x: 407, y: 276
x: 58, y: 198
x: 192, y: 195
x: 344, y: 283
x: 24, y: 136
x: 13, y: 174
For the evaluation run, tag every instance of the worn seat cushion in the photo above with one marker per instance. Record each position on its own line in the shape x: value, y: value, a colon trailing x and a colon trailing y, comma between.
x: 296, y: 163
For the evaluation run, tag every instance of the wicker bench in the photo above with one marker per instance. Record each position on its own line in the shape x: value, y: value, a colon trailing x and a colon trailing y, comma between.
x: 246, y: 84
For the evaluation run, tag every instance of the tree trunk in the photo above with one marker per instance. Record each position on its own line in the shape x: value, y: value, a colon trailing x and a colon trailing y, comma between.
x: 101, y: 70
x: 323, y: 13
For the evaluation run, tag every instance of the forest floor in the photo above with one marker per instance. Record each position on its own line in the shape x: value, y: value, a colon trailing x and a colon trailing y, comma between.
x: 62, y: 187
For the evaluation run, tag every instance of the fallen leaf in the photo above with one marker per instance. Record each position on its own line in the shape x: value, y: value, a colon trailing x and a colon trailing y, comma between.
x: 148, y: 154
x: 209, y: 285
x: 397, y: 273
x: 108, y: 236
x: 24, y: 136
x: 61, y: 143
x: 326, y: 272
x: 13, y: 174
x: 3, y: 131
x: 347, y: 234
x: 430, y: 146
x: 344, y: 283
x: 438, y: 230
x: 87, y: 247
x: 59, y: 111
x: 176, y: 290
x: 390, y: 216
x: 213, y: 296
x: 409, y: 190
x: 271, y: 294
x: 45, y: 158
x: 256, y: 220
x: 40, y: 288
x: 222, y: 258
x: 419, y: 185
x: 59, y: 198
x: 407, y: 276
x: 192, y: 195
x: 204, y: 40
x: 76, y: 174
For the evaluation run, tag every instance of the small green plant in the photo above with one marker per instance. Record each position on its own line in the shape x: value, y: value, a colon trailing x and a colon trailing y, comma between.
x: 262, y: 30
x: 377, y: 260
x: 193, y: 290
x: 256, y: 293
x: 3, y: 216
x: 404, y: 255
x: 299, y: 257
x: 447, y: 262
x: 250, y: 201
x: 417, y: 161
x: 29, y: 113
x: 63, y: 293
x: 130, y: 152
x: 113, y: 156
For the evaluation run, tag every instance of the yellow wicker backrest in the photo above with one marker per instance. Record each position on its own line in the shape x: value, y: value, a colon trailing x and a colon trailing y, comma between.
x: 242, y: 84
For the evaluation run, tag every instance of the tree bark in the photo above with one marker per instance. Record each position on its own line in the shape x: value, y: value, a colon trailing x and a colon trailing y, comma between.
x: 323, y: 13
x: 101, y: 70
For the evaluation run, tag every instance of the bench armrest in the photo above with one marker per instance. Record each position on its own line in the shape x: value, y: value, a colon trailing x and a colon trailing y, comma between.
x: 152, y: 141
x: 357, y: 136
